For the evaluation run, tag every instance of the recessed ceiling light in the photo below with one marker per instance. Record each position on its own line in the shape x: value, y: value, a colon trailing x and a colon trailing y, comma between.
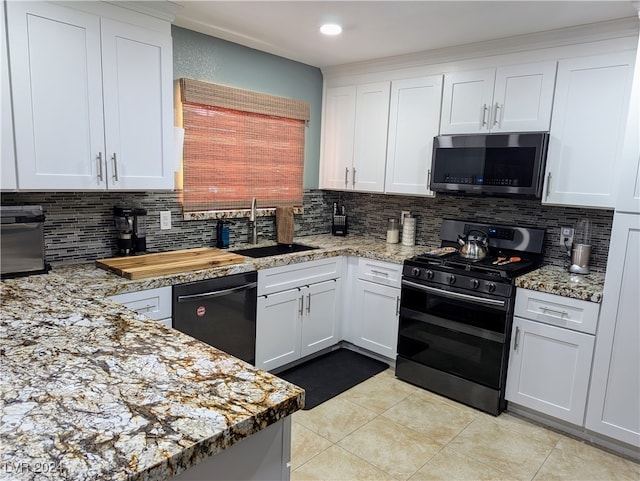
x: 331, y: 29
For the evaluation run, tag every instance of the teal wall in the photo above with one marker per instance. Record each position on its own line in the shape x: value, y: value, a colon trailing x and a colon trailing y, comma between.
x: 211, y: 59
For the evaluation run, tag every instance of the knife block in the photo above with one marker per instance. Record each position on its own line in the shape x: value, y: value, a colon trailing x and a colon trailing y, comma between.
x: 339, y: 225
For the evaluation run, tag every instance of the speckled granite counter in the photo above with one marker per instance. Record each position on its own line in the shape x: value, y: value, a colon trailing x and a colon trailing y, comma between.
x: 93, y: 391
x: 555, y: 280
x: 107, y: 284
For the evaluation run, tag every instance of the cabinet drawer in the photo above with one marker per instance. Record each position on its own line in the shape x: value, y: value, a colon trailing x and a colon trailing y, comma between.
x: 153, y: 303
x: 574, y: 314
x: 291, y: 276
x: 380, y: 272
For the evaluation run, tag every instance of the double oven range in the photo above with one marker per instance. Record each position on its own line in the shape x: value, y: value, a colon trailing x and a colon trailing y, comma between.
x: 456, y: 314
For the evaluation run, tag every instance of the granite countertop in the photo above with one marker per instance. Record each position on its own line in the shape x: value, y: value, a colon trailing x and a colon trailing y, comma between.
x: 556, y: 280
x: 92, y: 390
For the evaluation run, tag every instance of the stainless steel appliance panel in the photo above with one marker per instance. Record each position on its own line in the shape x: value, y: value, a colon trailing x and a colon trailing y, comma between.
x: 220, y: 312
x: 22, y: 241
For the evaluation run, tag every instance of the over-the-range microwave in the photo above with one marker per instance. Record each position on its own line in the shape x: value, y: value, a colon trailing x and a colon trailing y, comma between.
x: 491, y: 164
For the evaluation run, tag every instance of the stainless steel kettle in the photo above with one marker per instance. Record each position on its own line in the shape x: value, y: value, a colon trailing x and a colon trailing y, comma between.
x: 474, y: 247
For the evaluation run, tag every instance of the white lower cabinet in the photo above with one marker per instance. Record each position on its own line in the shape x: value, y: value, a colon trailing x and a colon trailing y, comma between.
x: 299, y: 320
x: 549, y: 369
x: 551, y: 354
x: 614, y: 395
x: 153, y: 303
x: 376, y: 307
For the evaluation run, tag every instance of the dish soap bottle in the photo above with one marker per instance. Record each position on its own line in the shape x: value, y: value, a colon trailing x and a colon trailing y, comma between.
x: 222, y: 235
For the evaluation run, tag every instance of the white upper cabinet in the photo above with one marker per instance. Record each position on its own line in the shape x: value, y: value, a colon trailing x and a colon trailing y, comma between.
x: 8, y: 179
x: 414, y: 121
x: 92, y: 100
x: 515, y: 98
x: 355, y: 137
x: 339, y: 129
x: 370, y: 148
x: 588, y: 129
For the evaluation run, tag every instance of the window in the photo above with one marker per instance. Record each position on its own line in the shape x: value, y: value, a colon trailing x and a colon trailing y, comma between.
x: 239, y: 145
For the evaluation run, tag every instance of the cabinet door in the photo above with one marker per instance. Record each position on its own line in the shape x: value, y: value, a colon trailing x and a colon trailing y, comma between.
x: 338, y: 135
x: 587, y: 130
x: 549, y: 370
x: 320, y: 322
x: 370, y: 148
x: 628, y: 199
x: 8, y: 159
x: 614, y: 394
x: 376, y: 317
x: 57, y: 95
x: 466, y: 102
x: 522, y: 97
x: 414, y: 120
x: 137, y: 78
x: 278, y: 328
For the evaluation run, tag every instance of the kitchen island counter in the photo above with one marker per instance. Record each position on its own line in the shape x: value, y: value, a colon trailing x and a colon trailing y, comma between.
x: 555, y: 280
x: 93, y: 391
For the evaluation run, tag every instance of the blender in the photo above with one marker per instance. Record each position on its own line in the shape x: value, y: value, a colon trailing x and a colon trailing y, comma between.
x: 131, y: 230
x: 581, y: 250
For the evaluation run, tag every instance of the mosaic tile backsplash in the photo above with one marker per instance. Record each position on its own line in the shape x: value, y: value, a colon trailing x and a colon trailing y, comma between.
x: 79, y: 225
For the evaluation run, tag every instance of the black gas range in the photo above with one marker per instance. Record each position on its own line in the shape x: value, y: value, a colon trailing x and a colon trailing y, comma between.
x: 456, y: 313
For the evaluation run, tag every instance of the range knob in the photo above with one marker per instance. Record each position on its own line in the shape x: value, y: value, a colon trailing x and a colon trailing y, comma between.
x: 491, y: 287
x: 452, y: 279
x: 475, y: 283
x: 415, y: 272
x: 428, y: 274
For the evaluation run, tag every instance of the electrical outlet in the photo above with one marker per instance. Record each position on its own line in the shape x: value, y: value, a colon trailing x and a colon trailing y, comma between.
x: 566, y: 237
x: 165, y: 220
x: 403, y: 214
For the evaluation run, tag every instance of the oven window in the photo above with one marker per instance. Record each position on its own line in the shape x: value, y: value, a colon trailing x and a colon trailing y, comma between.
x: 465, y: 312
x: 464, y: 355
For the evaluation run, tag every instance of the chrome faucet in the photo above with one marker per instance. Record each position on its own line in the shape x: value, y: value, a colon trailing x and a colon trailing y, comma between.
x: 253, y: 231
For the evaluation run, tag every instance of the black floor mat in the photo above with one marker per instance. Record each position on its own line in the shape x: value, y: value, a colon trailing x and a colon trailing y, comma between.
x: 331, y: 374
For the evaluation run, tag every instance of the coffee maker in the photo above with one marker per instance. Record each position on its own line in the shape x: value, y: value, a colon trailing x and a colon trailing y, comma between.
x: 131, y: 230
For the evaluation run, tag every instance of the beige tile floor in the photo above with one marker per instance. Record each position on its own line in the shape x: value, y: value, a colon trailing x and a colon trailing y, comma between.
x: 390, y: 430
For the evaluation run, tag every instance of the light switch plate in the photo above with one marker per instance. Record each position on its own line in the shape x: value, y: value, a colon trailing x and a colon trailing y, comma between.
x: 165, y: 220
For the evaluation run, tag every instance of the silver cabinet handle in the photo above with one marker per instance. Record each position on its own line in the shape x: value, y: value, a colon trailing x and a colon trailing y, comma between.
x: 546, y: 309
x: 301, y: 310
x: 353, y: 178
x: 115, y: 167
x: 517, y: 337
x: 429, y: 179
x: 100, y: 173
x: 308, y: 303
x: 496, y: 114
x: 379, y: 273
x: 397, y: 305
x: 346, y: 176
x: 484, y: 114
x: 143, y: 309
x: 548, y: 185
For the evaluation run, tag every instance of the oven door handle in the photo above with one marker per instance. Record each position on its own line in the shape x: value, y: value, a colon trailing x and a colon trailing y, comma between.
x: 220, y: 293
x: 455, y: 295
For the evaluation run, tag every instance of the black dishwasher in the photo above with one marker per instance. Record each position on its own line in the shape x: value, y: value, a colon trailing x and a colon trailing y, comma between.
x: 220, y: 312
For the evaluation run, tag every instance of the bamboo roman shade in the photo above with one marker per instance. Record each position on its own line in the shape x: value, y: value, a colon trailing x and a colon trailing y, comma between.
x: 239, y: 145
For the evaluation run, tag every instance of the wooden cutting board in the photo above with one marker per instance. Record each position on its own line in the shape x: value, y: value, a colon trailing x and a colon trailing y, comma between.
x: 173, y: 262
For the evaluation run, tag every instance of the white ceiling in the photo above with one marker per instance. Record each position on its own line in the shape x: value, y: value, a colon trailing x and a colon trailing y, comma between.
x: 376, y: 29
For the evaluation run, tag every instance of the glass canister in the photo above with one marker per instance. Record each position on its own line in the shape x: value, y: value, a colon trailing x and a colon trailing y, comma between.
x: 393, y: 231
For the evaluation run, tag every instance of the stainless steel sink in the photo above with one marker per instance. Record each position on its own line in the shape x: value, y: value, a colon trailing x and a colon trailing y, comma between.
x: 274, y: 250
